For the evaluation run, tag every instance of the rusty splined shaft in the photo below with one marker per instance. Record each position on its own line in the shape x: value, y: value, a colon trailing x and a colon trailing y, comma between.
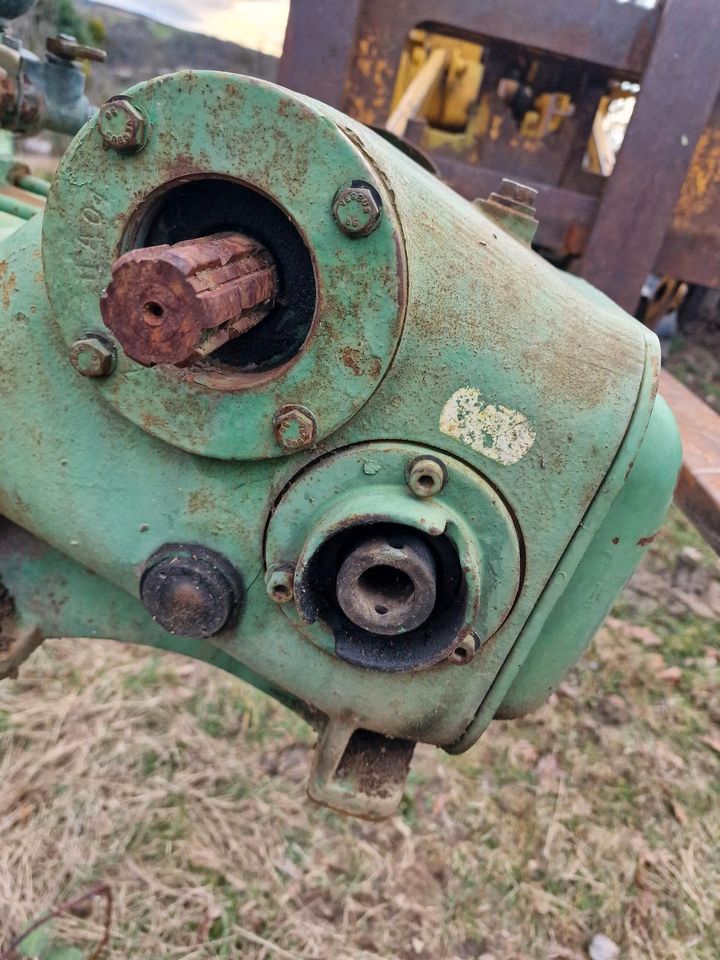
x: 178, y: 303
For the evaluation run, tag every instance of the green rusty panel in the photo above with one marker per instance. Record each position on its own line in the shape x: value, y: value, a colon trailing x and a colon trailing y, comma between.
x: 612, y: 555
x: 539, y: 387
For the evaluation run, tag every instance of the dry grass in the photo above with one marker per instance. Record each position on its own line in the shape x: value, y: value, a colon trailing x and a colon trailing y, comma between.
x: 185, y: 791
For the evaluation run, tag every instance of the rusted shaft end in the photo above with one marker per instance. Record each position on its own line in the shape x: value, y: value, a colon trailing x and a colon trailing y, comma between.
x: 388, y: 586
x: 178, y: 303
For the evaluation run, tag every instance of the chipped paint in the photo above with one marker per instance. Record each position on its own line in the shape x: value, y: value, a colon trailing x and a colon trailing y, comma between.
x: 495, y: 431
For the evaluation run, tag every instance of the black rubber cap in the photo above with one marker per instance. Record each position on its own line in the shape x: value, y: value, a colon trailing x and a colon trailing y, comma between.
x: 191, y: 591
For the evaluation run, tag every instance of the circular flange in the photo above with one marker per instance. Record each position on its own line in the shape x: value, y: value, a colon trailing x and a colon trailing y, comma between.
x: 288, y: 149
x: 364, y: 486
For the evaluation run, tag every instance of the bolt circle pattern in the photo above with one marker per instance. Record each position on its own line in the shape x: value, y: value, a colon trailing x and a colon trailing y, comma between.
x: 294, y: 151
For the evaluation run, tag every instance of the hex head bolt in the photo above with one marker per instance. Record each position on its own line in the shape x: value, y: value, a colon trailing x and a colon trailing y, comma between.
x: 123, y: 126
x: 295, y: 427
x: 93, y: 356
x: 357, y: 208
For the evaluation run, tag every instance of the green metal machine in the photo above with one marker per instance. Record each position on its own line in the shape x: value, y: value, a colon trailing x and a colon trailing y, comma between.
x: 276, y: 398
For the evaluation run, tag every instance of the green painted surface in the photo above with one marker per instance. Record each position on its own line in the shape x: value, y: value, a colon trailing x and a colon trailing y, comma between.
x: 438, y: 333
x: 613, y: 553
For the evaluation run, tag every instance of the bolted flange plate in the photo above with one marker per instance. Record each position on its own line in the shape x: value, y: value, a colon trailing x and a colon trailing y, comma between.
x: 286, y: 148
x: 365, y: 485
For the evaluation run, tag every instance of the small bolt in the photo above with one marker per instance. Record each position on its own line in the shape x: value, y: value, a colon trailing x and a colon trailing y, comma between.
x: 464, y: 651
x: 426, y: 476
x: 93, y: 356
x: 357, y: 208
x: 518, y: 193
x: 123, y: 126
x: 295, y: 427
x: 279, y: 584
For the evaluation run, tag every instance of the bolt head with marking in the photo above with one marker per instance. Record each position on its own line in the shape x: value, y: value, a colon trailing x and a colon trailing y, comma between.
x: 123, y: 126
x: 295, y: 428
x: 93, y: 356
x: 357, y: 208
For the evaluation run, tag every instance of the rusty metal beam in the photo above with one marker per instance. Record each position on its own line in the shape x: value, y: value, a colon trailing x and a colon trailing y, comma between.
x: 678, y: 92
x: 698, y: 489
x: 319, y: 48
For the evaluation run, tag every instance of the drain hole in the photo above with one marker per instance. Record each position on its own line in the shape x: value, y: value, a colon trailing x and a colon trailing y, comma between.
x: 152, y: 313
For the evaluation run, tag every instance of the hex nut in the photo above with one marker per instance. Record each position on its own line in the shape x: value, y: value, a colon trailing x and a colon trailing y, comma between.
x: 426, y: 476
x: 295, y: 427
x: 93, y: 356
x: 357, y: 208
x: 123, y: 126
x: 280, y: 585
x: 464, y: 651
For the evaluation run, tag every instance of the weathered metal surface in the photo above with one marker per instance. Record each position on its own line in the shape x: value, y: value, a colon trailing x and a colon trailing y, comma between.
x: 698, y: 489
x: 178, y: 303
x: 532, y: 389
x: 675, y: 102
x: 359, y: 44
x: 67, y: 48
x: 358, y: 771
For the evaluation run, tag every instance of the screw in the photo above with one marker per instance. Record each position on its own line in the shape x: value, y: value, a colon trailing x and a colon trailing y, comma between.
x: 357, y: 208
x: 123, y: 126
x: 426, y: 476
x: 279, y: 583
x: 295, y: 427
x: 464, y: 651
x: 93, y: 356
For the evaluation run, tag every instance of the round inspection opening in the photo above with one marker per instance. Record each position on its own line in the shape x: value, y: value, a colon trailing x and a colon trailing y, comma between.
x: 426, y: 481
x: 202, y: 206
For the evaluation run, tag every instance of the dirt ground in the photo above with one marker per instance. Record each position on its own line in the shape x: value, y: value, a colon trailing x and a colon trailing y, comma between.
x: 184, y: 791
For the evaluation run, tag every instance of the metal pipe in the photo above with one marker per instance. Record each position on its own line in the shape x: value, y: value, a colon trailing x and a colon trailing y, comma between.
x: 17, y: 208
x: 34, y: 185
x: 387, y: 585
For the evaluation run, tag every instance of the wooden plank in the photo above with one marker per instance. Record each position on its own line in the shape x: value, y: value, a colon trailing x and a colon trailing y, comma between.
x: 698, y: 489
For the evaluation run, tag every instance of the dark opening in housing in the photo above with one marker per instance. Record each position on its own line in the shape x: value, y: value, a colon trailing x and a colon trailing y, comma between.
x: 203, y: 206
x: 382, y: 590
